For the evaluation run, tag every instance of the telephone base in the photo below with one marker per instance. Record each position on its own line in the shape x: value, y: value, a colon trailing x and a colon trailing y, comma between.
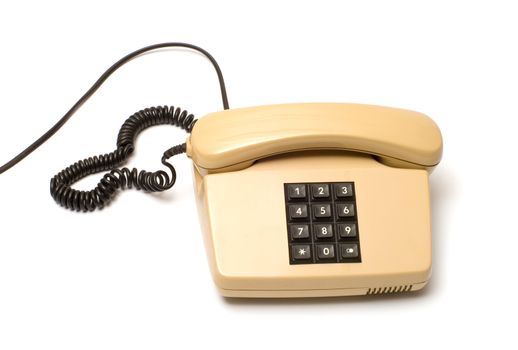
x: 246, y: 229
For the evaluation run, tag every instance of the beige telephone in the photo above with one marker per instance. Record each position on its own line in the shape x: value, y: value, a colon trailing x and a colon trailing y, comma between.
x: 295, y: 200
x: 304, y: 200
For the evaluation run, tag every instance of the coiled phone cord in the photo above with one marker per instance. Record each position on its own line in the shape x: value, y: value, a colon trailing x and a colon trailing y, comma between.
x: 60, y: 184
x: 158, y: 181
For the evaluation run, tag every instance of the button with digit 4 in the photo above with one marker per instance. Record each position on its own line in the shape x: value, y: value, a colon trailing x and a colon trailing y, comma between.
x: 298, y: 211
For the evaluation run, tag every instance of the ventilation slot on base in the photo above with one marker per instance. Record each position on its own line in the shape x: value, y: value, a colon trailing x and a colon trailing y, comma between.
x: 389, y: 290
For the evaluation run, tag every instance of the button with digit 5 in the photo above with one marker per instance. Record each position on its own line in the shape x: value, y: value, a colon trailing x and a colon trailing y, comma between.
x: 321, y: 211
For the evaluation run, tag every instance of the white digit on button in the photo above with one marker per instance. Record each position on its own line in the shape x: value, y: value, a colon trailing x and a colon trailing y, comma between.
x: 344, y: 190
x: 325, y: 251
x: 322, y: 210
x: 299, y: 211
x: 300, y: 230
x: 347, y: 229
x: 346, y: 209
x: 324, y: 230
x: 321, y: 190
x: 297, y: 190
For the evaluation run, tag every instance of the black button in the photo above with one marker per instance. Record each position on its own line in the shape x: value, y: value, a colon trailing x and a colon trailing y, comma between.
x: 299, y: 232
x: 321, y: 210
x: 320, y: 190
x: 343, y: 190
x: 298, y: 211
x: 345, y: 210
x: 323, y: 230
x: 297, y: 191
x: 349, y: 251
x: 325, y: 251
x: 301, y: 252
x: 347, y: 230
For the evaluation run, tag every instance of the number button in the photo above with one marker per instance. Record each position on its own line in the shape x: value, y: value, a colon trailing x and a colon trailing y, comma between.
x: 297, y: 191
x: 321, y: 211
x: 301, y: 252
x: 320, y: 190
x: 325, y: 251
x: 345, y: 210
x: 299, y: 232
x: 323, y: 230
x: 343, y: 190
x: 298, y: 211
x: 347, y: 230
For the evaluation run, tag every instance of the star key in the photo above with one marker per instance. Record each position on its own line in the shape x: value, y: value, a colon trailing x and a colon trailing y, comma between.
x: 301, y: 252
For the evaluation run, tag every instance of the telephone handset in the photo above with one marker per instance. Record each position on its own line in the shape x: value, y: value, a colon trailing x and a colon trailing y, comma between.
x: 294, y: 200
x: 236, y: 138
x: 320, y: 199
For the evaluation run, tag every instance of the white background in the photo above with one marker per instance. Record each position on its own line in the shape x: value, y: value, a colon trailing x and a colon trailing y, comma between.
x: 135, y: 276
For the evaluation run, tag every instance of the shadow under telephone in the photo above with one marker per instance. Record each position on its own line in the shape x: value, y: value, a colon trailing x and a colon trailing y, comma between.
x: 294, y: 200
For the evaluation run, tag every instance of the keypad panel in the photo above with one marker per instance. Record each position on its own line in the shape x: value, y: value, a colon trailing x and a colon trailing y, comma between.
x: 322, y: 223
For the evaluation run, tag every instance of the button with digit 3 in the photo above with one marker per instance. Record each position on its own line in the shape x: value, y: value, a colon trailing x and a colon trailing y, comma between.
x: 343, y: 190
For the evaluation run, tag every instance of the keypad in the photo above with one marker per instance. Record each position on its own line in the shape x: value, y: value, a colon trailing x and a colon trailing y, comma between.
x: 322, y: 221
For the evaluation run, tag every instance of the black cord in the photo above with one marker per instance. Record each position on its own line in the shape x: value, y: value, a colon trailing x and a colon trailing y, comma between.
x: 123, y: 178
x: 60, y: 184
x: 98, y: 84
